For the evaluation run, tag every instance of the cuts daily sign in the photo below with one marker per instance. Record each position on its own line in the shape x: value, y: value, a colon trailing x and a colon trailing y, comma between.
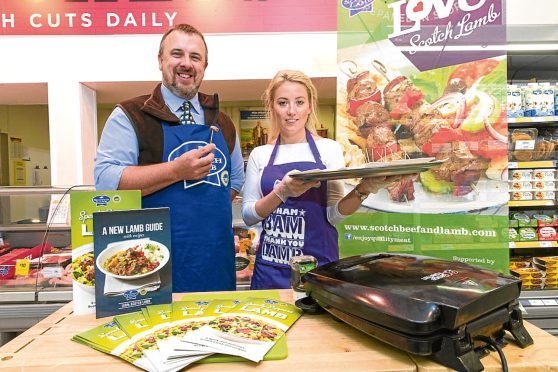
x: 103, y: 17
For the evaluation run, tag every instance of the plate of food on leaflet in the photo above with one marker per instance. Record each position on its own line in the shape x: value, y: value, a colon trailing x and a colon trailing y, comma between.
x: 133, y: 259
x: 450, y: 114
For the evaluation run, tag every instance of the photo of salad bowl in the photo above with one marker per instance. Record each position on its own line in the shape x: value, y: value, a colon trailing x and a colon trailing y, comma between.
x: 83, y: 268
x: 133, y: 259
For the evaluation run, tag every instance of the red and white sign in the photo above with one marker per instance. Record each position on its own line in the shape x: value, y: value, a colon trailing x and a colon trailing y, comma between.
x: 106, y: 17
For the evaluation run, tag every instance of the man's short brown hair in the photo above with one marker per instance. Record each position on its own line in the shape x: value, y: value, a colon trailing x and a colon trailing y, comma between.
x: 187, y: 29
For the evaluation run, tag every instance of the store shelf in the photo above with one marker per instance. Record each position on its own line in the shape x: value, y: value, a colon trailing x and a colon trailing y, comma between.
x: 531, y: 203
x: 33, y: 227
x: 535, y: 244
x: 532, y: 164
x: 533, y: 120
x: 27, y: 190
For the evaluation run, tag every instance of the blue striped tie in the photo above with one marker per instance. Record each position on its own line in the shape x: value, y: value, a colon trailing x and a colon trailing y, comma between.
x: 186, y: 117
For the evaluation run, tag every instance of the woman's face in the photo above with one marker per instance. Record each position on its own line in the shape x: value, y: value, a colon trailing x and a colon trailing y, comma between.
x: 291, y: 108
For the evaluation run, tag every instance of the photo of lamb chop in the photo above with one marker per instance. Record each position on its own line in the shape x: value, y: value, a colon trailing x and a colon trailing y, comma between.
x: 462, y: 169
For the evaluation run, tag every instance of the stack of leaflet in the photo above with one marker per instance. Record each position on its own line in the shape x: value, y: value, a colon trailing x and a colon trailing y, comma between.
x: 168, y: 337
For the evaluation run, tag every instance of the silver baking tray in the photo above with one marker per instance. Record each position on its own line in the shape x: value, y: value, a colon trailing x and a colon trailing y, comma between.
x: 379, y: 169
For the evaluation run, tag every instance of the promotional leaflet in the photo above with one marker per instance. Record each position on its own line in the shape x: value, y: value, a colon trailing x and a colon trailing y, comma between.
x: 185, y: 317
x: 180, y: 346
x: 426, y: 79
x: 145, y: 336
x: 110, y: 339
x: 82, y: 206
x: 248, y: 330
x: 153, y: 338
x: 132, y: 260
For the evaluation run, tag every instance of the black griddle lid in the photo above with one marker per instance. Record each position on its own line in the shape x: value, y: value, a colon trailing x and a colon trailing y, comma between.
x: 411, y: 293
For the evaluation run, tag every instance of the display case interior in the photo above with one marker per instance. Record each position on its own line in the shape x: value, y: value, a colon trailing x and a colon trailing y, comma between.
x: 35, y: 251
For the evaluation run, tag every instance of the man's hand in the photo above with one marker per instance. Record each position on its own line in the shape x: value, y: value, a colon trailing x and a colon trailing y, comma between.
x: 194, y: 164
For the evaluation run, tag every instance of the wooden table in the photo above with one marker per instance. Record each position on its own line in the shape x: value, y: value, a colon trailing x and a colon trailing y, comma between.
x: 315, y: 343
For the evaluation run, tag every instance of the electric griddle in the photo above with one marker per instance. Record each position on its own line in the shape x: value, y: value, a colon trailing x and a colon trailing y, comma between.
x: 451, y: 311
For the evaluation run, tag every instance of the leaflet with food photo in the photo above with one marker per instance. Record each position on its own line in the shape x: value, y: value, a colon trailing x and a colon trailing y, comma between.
x: 109, y: 338
x: 145, y: 337
x: 185, y: 316
x: 82, y: 206
x: 248, y: 330
x: 185, y: 324
x: 132, y: 260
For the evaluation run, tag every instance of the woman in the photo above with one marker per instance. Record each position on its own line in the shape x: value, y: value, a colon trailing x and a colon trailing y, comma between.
x: 298, y: 217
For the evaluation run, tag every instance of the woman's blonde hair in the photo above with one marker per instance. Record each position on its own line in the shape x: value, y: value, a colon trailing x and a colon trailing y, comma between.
x: 269, y: 96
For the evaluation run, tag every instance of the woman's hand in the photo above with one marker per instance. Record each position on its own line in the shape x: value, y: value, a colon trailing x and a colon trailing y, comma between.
x: 290, y: 187
x: 372, y: 185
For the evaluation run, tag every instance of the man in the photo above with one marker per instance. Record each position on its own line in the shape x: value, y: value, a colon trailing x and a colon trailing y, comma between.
x: 163, y: 144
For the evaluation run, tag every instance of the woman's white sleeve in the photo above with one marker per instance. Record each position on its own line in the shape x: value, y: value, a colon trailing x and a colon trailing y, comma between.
x: 335, y: 188
x: 251, y: 192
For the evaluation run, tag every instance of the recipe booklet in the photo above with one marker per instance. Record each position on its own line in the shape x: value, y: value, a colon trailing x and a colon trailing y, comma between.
x: 178, y: 347
x: 82, y: 206
x: 132, y: 260
x: 185, y: 317
x: 109, y: 338
x: 248, y: 330
x: 159, y: 317
x: 140, y: 331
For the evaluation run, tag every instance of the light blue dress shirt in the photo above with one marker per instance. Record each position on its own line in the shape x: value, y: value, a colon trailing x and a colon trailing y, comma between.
x: 118, y: 147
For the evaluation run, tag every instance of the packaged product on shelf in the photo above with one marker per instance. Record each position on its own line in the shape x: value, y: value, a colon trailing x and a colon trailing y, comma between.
x: 556, y: 99
x: 527, y: 234
x: 513, y: 223
x: 543, y: 149
x: 514, y: 236
x: 521, y: 174
x: 8, y: 260
x: 547, y: 101
x: 524, y: 220
x: 523, y: 143
x: 547, y: 233
x: 519, y: 262
x: 521, y: 195
x: 544, y: 220
x: 544, y: 185
x: 527, y: 273
x: 514, y: 101
x: 532, y: 95
x: 550, y: 263
x: 544, y: 174
x: 521, y: 186
x: 544, y: 195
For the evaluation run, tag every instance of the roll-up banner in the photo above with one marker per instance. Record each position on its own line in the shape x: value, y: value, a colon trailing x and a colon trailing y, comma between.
x: 426, y: 78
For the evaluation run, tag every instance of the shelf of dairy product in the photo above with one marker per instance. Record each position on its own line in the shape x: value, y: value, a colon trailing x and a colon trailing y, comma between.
x: 533, y: 101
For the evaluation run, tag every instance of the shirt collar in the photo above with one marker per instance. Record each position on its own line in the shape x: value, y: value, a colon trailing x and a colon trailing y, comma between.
x: 174, y: 102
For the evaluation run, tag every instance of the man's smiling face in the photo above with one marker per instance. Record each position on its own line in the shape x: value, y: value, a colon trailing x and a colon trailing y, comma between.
x: 183, y: 61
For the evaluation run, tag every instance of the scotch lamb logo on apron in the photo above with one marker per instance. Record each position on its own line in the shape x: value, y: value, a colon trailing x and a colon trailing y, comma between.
x: 218, y: 175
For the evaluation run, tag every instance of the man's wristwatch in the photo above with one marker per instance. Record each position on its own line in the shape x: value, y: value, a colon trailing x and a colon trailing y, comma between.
x: 360, y: 195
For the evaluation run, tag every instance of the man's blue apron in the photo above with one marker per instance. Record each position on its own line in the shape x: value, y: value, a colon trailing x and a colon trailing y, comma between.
x: 201, y: 215
x: 297, y: 227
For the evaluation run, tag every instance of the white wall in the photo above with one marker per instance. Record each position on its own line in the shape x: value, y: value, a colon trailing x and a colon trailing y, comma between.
x: 65, y: 61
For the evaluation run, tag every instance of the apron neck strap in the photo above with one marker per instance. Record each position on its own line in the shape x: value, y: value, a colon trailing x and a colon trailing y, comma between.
x: 311, y: 143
